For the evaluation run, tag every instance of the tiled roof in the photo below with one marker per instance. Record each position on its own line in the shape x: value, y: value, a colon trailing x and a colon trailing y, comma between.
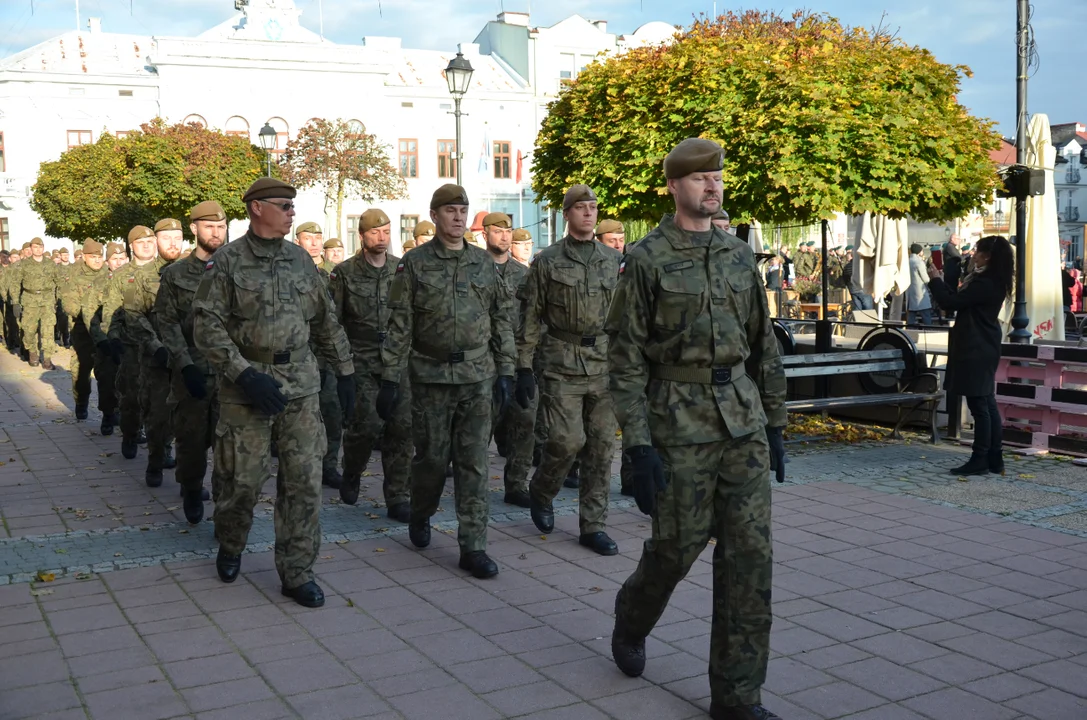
x: 1005, y: 155
x: 85, y: 53
x: 426, y: 69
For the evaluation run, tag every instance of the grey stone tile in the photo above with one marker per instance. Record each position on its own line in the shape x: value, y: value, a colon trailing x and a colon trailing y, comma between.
x: 956, y: 704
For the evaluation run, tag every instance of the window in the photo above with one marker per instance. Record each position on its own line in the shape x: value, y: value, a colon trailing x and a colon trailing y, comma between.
x: 3, y: 165
x: 566, y: 66
x: 195, y: 119
x: 502, y: 160
x: 78, y: 137
x: 447, y: 158
x: 352, y: 232
x: 3, y: 233
x: 237, y: 127
x: 355, y: 129
x: 124, y: 93
x: 121, y: 134
x: 409, y: 158
x: 407, y: 227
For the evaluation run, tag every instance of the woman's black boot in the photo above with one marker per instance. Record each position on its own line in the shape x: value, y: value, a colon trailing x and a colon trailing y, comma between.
x: 977, y: 465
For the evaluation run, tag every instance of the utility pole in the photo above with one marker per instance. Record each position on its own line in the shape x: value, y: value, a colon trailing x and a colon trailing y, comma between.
x: 77, y: 23
x: 1020, y: 319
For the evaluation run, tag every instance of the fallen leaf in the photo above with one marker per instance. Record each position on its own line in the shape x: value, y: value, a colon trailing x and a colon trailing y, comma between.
x: 46, y: 576
x: 379, y: 549
x: 596, y: 589
x: 60, y: 551
x: 182, y: 532
x: 326, y: 557
x: 962, y: 479
x: 1026, y: 476
x: 83, y: 576
x: 543, y: 537
x: 350, y: 602
x: 118, y: 554
x: 341, y: 542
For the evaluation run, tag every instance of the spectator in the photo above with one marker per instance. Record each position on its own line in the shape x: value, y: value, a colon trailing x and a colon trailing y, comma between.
x: 1067, y: 283
x: 773, y: 274
x: 918, y: 299
x: 973, y: 351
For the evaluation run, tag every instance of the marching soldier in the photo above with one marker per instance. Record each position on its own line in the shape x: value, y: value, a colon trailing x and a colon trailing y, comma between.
x: 333, y: 254
x: 360, y: 293
x: 37, y: 296
x: 700, y: 395
x: 82, y: 298
x: 259, y: 307
x: 450, y: 328
x: 611, y: 233
x: 569, y: 289
x: 154, y: 371
x: 194, y: 388
x: 422, y: 233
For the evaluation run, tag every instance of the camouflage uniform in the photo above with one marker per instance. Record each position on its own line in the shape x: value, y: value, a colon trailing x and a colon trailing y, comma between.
x: 114, y: 326
x: 513, y: 432
x: 8, y: 282
x: 331, y: 413
x: 360, y: 293
x: 450, y: 325
x: 154, y: 379
x: 259, y: 305
x: 695, y: 372
x: 196, y: 416
x: 36, y: 288
x: 62, y: 332
x: 571, y: 296
x: 82, y: 298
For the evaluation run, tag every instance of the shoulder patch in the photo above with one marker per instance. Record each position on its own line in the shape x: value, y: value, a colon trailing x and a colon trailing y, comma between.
x: 682, y: 265
x: 400, y: 267
x: 210, y: 263
x: 131, y: 278
x: 332, y: 274
x: 622, y: 267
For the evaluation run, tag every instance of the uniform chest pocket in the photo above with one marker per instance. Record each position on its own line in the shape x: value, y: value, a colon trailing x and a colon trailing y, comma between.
x: 309, y: 288
x: 361, y: 297
x: 680, y: 301
x: 430, y: 292
x: 736, y: 290
x: 249, y: 296
x: 562, y: 289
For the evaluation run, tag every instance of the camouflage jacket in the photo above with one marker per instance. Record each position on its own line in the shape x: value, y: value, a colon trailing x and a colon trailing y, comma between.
x: 173, y: 312
x: 684, y: 304
x: 565, y: 295
x: 64, y: 275
x: 140, y: 306
x: 448, y: 305
x: 84, y: 294
x: 260, y: 304
x: 360, y: 293
x: 35, y: 283
x: 122, y: 285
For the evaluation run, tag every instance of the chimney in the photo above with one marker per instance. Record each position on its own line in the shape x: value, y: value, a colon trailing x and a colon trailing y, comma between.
x: 94, y: 25
x: 513, y: 18
x: 601, y: 25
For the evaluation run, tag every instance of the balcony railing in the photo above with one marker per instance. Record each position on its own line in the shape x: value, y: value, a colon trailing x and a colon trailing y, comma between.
x: 1072, y: 176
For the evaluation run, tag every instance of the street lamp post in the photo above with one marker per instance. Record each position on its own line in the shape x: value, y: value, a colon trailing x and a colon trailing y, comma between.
x: 1020, y: 319
x: 267, y: 137
x: 458, y: 74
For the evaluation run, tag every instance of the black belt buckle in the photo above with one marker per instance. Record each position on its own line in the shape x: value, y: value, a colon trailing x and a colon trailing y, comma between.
x: 456, y: 357
x: 381, y: 336
x: 588, y: 341
x: 722, y: 376
x: 281, y: 358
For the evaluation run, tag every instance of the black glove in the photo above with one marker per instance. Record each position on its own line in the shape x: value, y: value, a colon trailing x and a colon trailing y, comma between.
x: 195, y: 382
x: 503, y: 392
x: 647, y: 473
x: 116, y: 350
x: 263, y: 391
x: 777, y: 452
x: 162, y: 357
x: 386, y: 399
x: 526, y: 387
x: 345, y: 389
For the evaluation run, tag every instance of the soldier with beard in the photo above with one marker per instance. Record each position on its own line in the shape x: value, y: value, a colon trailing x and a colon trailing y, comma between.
x: 194, y: 389
x: 360, y: 293
x: 155, y: 372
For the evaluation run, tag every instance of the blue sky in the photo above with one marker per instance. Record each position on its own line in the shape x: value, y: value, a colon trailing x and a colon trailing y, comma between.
x: 978, y: 33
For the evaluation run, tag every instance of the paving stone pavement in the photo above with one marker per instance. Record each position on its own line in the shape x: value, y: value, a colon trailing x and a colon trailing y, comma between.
x: 899, y: 593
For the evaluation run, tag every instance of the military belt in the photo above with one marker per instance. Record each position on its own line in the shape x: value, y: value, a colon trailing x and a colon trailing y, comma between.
x: 369, y: 335
x: 451, y: 357
x: 699, y: 376
x: 268, y: 357
x: 582, y: 340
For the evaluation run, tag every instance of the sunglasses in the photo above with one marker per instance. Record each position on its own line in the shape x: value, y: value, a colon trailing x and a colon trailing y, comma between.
x: 285, y: 207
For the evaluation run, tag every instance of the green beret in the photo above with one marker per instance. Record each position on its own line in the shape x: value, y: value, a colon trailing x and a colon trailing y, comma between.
x: 578, y: 193
x: 448, y: 194
x: 720, y: 215
x: 333, y: 243
x: 139, y: 232
x: 269, y: 189
x: 470, y: 236
x: 37, y: 241
x: 92, y: 247
x: 114, y: 247
x: 26, y: 245
x: 522, y: 235
x: 848, y: 248
x: 608, y: 226
x: 693, y: 155
x: 423, y: 228
x: 64, y: 251
x: 373, y: 218
x: 409, y: 244
x: 502, y: 220
x: 167, y: 224
x: 310, y: 227
x: 207, y: 210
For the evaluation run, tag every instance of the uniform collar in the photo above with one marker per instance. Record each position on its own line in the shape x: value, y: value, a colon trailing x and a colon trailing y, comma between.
x: 568, y: 251
x: 445, y: 253
x: 679, y: 239
x: 263, y: 247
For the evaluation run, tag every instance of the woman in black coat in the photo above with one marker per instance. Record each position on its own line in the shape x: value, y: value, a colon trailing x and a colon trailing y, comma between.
x: 973, y: 351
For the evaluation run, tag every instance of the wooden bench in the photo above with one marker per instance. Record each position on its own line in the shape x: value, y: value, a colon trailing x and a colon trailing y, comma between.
x: 912, y: 393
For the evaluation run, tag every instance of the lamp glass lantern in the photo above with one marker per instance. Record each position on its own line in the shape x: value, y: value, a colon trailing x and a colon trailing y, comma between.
x: 267, y: 136
x: 458, y: 75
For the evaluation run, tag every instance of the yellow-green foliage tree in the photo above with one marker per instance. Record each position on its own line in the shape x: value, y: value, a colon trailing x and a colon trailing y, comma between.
x: 815, y: 118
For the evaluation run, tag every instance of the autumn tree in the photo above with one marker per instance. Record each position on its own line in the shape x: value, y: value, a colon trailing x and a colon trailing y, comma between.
x: 101, y: 190
x: 815, y: 117
x: 342, y: 160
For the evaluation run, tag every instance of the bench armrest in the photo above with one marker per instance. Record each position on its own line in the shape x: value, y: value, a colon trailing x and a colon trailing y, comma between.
x: 925, y: 383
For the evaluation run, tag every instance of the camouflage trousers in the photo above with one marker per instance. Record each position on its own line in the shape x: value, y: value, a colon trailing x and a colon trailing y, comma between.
x: 127, y: 384
x: 198, y: 419
x: 154, y: 395
x: 12, y: 334
x: 242, y: 457
x: 513, y: 434
x: 333, y: 419
x: 722, y: 486
x: 83, y: 357
x: 580, y: 426
x: 367, y: 429
x: 37, y: 326
x: 452, y: 423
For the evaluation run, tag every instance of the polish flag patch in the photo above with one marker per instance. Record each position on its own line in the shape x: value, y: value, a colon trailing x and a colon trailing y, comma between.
x: 210, y: 263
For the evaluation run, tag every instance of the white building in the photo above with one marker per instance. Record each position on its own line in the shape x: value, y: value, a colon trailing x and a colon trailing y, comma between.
x: 261, y: 66
x: 1070, y: 184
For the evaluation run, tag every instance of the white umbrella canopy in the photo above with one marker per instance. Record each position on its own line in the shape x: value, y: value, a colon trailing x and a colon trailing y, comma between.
x: 1043, y: 252
x: 881, y: 256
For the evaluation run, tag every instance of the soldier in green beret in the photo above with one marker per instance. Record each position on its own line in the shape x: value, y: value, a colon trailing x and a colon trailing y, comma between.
x: 83, y: 295
x: 611, y: 233
x: 702, y: 425
x: 37, y: 291
x: 333, y: 254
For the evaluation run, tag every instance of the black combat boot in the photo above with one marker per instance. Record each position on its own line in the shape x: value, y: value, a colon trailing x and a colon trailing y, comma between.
x: 80, y: 412
x: 419, y: 532
x: 349, y: 487
x: 519, y: 498
x: 599, y: 543
x: 228, y: 566
x: 479, y: 564
x: 543, y: 516
x: 627, y: 651
x: 400, y: 512
x: 109, y: 420
x: 169, y: 461
x: 741, y: 712
x: 153, y: 477
x: 331, y: 478
x: 192, y: 502
x: 129, y: 448
x: 307, y: 594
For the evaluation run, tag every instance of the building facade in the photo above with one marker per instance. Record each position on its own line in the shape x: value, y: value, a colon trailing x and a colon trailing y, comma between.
x: 261, y: 66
